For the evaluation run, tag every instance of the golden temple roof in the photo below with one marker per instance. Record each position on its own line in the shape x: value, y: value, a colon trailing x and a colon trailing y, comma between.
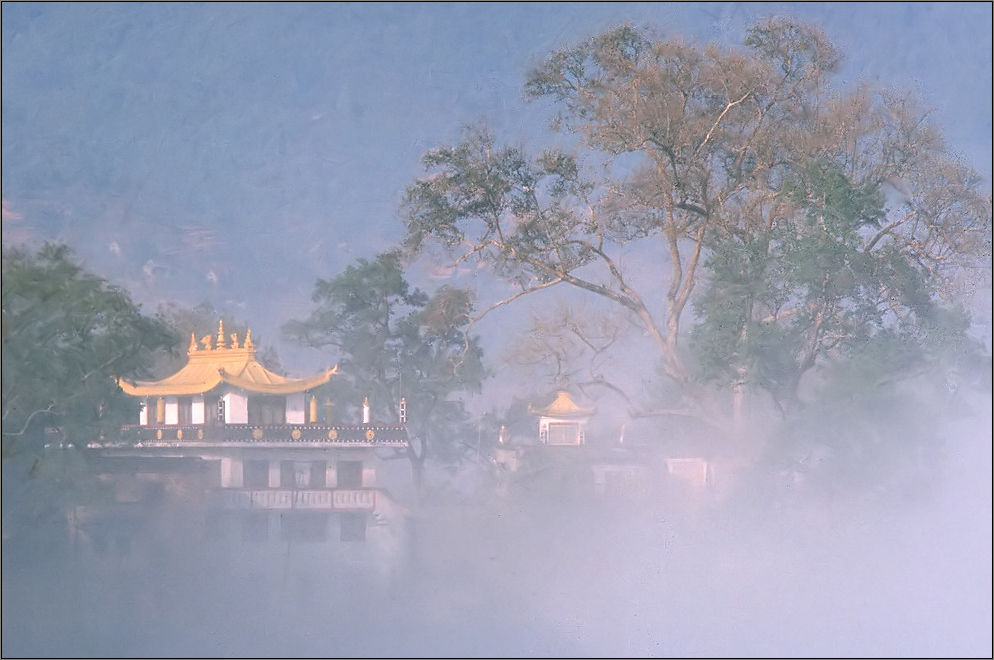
x: 563, y: 406
x: 208, y: 366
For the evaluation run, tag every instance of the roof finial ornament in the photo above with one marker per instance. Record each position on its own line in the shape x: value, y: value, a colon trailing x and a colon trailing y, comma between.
x: 193, y: 343
x: 220, y: 335
x: 248, y: 339
x: 234, y: 340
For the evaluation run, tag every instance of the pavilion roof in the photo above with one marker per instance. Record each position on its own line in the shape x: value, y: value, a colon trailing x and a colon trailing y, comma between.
x: 210, y: 365
x: 563, y: 406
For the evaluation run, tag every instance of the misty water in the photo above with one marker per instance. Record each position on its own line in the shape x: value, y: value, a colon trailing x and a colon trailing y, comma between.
x: 534, y: 574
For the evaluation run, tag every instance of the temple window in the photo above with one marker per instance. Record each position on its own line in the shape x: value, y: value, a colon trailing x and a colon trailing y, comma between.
x: 266, y: 410
x: 185, y: 410
x: 213, y: 414
x: 350, y: 474
x: 255, y: 474
x: 318, y: 472
x: 302, y: 474
x: 564, y: 433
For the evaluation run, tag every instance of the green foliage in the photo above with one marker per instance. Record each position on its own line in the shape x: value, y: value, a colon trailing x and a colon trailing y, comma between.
x: 39, y: 490
x: 869, y: 429
x: 818, y: 289
x: 67, y: 336
x: 395, y: 341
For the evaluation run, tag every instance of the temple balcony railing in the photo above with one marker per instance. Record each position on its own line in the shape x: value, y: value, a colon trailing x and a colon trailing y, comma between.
x: 259, y: 435
x: 334, y: 499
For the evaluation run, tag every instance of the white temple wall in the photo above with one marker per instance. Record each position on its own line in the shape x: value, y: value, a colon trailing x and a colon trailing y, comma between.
x: 295, y: 408
x: 197, y: 412
x: 235, y: 408
x: 172, y: 410
x: 231, y: 473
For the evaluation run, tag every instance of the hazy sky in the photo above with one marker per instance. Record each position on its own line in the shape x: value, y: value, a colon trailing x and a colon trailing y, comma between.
x: 235, y: 152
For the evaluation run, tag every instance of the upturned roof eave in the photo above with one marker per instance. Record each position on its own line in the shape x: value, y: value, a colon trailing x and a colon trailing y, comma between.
x: 201, y: 376
x: 563, y: 407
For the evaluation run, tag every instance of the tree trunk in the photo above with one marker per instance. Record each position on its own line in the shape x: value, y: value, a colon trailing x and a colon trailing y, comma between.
x: 740, y: 405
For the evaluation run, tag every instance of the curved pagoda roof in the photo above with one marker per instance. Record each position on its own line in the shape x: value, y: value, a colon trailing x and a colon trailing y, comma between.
x: 563, y: 406
x: 208, y: 366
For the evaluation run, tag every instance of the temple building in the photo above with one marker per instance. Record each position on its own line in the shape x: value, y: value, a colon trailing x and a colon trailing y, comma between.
x: 562, y: 422
x: 260, y: 456
x: 223, y: 384
x: 566, y: 457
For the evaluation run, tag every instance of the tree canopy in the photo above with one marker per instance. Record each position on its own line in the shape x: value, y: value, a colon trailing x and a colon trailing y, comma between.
x: 67, y: 336
x: 393, y: 341
x: 792, y: 222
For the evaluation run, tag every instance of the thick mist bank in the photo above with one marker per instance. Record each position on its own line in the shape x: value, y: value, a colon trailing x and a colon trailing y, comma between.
x: 516, y: 576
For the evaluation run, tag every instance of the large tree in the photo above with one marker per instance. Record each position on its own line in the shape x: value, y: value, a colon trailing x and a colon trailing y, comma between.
x: 393, y: 341
x: 714, y: 163
x: 67, y: 336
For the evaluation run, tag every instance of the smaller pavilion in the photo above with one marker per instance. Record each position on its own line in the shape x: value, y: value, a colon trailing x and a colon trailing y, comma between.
x: 563, y: 422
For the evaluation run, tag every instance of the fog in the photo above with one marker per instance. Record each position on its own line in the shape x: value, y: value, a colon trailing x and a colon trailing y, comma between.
x: 232, y: 155
x: 535, y: 573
